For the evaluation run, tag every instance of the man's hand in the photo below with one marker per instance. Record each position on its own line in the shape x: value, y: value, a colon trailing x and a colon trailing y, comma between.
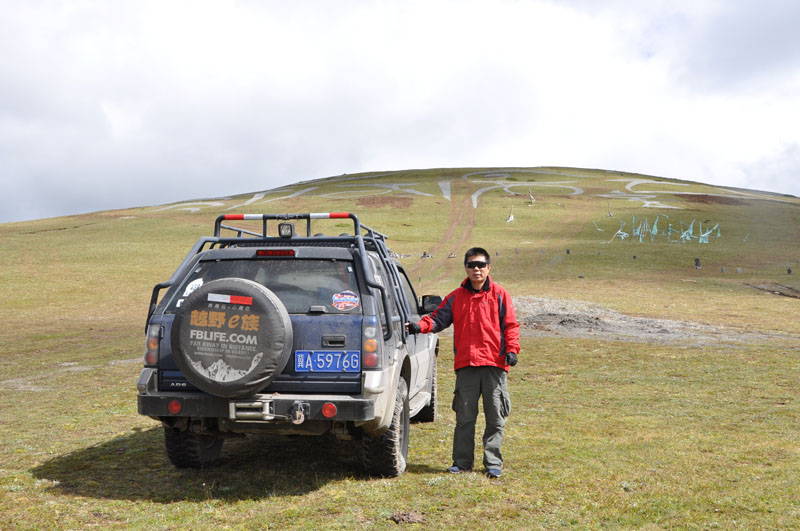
x: 511, y: 358
x: 413, y: 328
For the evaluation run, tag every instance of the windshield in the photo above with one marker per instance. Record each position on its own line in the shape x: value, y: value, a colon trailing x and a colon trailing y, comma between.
x: 299, y: 284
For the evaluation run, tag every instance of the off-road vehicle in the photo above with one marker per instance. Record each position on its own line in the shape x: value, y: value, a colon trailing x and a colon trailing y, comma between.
x: 267, y: 331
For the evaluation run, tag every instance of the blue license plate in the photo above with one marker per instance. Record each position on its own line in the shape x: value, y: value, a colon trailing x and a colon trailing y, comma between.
x: 327, y: 361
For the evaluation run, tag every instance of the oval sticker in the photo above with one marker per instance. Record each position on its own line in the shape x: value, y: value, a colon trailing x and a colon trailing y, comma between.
x: 344, y: 301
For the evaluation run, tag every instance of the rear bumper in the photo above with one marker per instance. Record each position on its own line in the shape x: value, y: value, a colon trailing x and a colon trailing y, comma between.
x: 257, y: 408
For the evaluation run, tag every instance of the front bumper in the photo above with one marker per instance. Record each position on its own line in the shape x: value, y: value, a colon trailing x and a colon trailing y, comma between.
x: 257, y: 408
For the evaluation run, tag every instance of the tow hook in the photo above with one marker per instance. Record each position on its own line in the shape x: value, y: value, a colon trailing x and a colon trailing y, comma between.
x: 300, y: 411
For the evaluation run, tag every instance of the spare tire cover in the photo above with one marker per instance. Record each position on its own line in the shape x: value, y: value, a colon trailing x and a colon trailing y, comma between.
x: 231, y: 337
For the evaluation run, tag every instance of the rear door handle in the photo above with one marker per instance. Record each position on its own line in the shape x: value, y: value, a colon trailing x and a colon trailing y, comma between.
x: 333, y: 341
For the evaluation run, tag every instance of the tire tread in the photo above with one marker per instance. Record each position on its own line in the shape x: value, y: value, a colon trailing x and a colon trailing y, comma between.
x: 190, y: 450
x: 385, y: 454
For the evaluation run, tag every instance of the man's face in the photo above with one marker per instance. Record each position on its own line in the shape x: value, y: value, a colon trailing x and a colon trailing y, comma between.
x: 477, y: 274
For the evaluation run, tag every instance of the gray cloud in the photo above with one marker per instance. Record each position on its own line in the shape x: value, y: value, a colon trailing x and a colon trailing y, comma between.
x: 742, y: 46
x: 712, y: 46
x: 117, y: 104
x: 775, y: 172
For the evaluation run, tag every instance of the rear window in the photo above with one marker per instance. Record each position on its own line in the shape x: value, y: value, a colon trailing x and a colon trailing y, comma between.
x: 300, y: 284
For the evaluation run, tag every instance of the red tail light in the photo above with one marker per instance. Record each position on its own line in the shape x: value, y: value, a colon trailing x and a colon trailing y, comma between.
x: 329, y: 410
x: 174, y: 407
x: 370, y: 360
x: 273, y: 252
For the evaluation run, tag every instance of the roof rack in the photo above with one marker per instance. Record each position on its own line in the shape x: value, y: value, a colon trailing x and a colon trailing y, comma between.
x: 264, y: 218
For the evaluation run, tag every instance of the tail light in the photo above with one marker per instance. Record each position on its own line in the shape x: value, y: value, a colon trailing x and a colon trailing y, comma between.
x: 370, y: 346
x: 174, y: 407
x: 151, y: 345
x: 329, y: 410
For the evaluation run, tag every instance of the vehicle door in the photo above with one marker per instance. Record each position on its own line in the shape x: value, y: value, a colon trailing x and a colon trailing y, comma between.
x: 417, y: 344
x: 380, y: 276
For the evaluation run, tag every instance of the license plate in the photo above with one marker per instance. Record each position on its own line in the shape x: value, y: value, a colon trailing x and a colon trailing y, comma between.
x: 327, y: 361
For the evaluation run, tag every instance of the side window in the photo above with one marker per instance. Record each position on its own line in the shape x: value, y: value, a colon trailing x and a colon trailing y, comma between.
x: 380, y: 278
x: 410, y: 295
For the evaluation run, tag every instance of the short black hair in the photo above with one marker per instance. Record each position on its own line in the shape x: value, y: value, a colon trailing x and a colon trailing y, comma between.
x: 474, y: 251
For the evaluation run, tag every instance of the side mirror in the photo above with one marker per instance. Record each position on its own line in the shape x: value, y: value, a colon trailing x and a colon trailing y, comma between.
x: 430, y: 303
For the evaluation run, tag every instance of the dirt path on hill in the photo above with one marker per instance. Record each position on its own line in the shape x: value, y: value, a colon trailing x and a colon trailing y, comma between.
x: 461, y: 221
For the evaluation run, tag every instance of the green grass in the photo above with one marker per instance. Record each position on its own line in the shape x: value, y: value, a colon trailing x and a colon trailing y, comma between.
x: 602, y: 433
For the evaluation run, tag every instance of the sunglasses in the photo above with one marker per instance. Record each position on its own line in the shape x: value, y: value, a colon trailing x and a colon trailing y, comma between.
x: 476, y: 263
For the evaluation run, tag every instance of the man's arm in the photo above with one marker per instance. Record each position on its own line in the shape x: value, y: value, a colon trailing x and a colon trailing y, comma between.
x: 510, y: 330
x: 441, y: 318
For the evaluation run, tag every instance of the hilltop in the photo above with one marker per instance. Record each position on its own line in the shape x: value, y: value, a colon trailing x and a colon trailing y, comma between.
x: 627, y: 241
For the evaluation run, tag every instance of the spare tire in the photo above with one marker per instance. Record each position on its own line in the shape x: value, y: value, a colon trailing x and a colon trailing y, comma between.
x: 231, y: 337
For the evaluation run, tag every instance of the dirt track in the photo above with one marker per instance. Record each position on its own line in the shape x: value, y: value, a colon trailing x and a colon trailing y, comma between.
x: 459, y: 228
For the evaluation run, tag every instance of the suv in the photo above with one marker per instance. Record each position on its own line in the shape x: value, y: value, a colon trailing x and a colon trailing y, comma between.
x: 288, y: 334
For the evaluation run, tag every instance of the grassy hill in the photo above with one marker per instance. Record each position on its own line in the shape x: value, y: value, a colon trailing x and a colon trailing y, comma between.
x: 605, y: 431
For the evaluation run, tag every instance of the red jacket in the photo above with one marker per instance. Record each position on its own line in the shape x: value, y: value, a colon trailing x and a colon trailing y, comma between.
x: 485, y: 326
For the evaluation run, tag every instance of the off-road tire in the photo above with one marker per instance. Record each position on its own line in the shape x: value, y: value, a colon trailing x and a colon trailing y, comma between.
x: 190, y: 450
x: 385, y: 454
x: 428, y: 413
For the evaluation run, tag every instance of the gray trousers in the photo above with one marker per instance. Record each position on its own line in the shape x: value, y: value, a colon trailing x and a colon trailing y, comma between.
x: 472, y: 383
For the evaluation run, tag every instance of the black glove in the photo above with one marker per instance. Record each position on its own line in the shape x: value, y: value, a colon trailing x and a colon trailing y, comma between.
x: 511, y: 358
x: 413, y: 328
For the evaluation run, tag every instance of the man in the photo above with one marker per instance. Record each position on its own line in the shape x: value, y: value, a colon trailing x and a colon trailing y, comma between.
x: 485, y: 344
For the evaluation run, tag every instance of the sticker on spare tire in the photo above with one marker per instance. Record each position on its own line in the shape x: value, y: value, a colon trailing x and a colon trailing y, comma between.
x: 226, y: 335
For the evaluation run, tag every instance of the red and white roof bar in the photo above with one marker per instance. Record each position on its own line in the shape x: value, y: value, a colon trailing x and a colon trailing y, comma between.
x: 312, y: 215
x: 283, y: 217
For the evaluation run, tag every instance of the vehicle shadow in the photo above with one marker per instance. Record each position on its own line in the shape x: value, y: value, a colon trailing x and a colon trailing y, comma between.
x: 135, y: 467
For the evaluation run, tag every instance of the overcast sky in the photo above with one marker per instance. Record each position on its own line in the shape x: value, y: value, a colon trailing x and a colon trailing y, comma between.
x: 112, y: 104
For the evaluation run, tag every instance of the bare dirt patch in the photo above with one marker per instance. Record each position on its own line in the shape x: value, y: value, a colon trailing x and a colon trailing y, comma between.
x: 407, y: 518
x: 712, y: 199
x: 57, y: 228
x: 777, y: 289
x: 381, y: 201
x: 575, y: 319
